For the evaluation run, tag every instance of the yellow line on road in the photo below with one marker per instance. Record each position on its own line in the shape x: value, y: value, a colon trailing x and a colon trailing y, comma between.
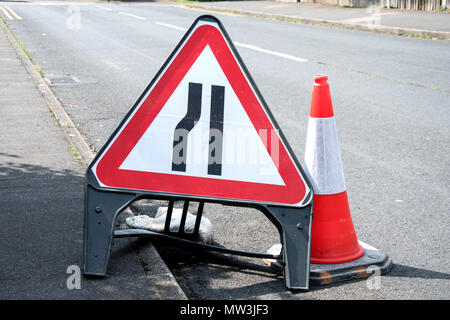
x: 13, y: 13
x: 6, y: 13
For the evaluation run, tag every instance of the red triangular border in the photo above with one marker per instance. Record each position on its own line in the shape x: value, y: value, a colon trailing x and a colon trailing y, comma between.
x: 107, y: 169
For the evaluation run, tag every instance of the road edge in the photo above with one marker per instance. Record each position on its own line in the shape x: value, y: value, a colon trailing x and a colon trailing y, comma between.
x: 72, y: 134
x: 408, y: 32
x: 147, y: 254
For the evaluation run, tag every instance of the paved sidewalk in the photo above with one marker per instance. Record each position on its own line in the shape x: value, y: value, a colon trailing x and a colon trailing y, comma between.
x: 420, y: 23
x: 42, y: 203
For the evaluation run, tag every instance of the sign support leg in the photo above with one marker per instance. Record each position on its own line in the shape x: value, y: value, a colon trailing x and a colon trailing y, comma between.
x: 101, y: 209
x: 295, y: 228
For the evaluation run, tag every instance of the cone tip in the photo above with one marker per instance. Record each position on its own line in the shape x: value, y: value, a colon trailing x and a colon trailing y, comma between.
x: 320, y: 79
x: 321, y: 106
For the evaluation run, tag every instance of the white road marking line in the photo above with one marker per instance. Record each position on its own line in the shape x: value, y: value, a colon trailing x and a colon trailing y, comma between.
x: 274, y: 53
x: 104, y: 8
x: 171, y: 26
x: 247, y: 46
x: 131, y: 15
x: 13, y: 13
x: 276, y: 6
x: 6, y: 13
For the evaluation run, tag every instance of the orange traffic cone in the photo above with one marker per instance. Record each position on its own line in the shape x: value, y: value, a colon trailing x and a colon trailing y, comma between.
x: 333, y: 238
x: 336, y: 254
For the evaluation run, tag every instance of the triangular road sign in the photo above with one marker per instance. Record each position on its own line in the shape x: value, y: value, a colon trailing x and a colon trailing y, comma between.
x: 201, y: 128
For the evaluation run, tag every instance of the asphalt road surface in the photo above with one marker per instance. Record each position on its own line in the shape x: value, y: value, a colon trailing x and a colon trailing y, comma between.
x: 391, y: 98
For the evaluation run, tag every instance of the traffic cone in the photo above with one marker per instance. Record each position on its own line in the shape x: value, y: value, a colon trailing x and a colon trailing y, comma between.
x: 336, y: 254
x: 333, y: 238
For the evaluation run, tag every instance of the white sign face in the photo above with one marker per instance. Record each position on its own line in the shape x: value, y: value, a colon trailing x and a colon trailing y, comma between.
x: 244, y: 156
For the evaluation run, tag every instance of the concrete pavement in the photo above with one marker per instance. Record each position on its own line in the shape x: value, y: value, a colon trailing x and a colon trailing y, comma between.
x: 41, y: 200
x: 402, y: 22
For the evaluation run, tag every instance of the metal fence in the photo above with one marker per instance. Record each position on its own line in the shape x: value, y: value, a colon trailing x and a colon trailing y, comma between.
x: 419, y: 5
x: 423, y: 5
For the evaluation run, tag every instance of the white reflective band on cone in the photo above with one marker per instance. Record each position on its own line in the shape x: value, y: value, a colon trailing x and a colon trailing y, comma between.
x: 323, y: 158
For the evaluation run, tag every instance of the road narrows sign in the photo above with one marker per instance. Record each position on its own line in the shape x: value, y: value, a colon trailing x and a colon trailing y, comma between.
x: 202, y: 128
x: 201, y: 132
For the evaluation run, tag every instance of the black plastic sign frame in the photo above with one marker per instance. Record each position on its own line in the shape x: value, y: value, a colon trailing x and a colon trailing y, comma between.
x: 104, y: 203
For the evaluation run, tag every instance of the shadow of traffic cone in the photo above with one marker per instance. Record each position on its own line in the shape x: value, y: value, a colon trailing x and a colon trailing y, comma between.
x: 336, y: 253
x: 333, y: 238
